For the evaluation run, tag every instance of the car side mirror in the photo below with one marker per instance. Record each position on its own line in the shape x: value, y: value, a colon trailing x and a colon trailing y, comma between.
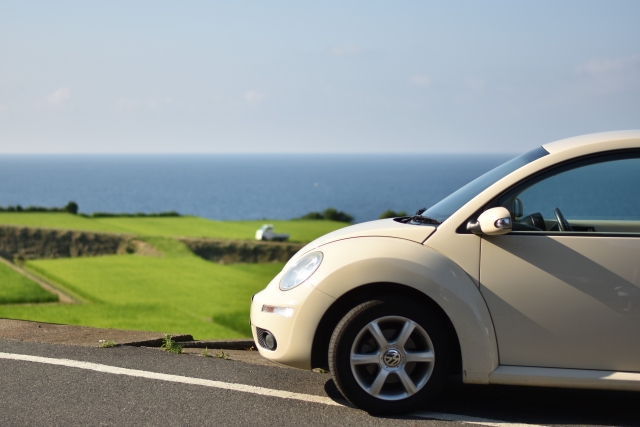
x: 492, y: 222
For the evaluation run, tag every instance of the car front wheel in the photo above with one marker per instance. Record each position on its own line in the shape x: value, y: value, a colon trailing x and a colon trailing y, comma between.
x: 389, y: 356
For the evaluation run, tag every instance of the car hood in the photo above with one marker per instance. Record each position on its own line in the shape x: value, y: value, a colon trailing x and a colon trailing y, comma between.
x: 379, y: 228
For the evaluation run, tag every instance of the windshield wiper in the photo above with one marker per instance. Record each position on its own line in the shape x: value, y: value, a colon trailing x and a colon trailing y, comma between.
x: 419, y: 218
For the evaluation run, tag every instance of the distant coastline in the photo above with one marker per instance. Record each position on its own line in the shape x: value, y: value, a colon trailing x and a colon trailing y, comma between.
x: 239, y: 186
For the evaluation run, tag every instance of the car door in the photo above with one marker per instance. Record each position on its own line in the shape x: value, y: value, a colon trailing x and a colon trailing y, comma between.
x: 563, y: 288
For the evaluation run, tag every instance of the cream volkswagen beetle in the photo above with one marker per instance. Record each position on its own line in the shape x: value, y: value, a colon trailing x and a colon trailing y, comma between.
x: 529, y: 275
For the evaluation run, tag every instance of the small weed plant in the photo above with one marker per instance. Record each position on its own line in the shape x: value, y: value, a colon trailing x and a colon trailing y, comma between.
x: 222, y: 355
x: 169, y: 345
x: 205, y: 353
x: 107, y: 343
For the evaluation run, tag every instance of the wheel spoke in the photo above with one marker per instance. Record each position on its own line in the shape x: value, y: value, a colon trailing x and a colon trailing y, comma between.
x: 374, y: 329
x: 405, y: 333
x: 365, y: 359
x: 372, y: 363
x: 408, y: 385
x: 422, y: 356
x: 377, y: 384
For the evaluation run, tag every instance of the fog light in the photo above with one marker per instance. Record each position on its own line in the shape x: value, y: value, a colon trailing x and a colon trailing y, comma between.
x: 266, y: 339
x: 283, y: 311
x: 270, y: 341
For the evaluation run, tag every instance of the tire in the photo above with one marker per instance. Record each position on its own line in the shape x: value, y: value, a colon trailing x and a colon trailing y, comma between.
x: 375, y: 370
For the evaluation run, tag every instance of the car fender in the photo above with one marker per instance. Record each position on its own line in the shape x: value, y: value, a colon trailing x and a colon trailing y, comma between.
x: 351, y: 263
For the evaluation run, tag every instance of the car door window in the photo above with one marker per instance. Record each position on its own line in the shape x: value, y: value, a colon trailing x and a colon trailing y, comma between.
x: 595, y: 196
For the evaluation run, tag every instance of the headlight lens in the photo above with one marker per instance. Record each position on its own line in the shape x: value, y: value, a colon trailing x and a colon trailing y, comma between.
x: 301, y: 271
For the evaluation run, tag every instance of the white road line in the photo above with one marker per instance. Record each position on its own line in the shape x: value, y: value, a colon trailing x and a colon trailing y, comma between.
x: 470, y: 420
x: 97, y: 367
x: 172, y: 378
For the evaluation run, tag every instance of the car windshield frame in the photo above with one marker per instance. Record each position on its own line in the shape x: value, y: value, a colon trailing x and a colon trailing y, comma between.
x: 442, y: 210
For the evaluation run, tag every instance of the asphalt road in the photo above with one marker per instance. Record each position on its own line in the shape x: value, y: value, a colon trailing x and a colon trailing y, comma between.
x: 34, y: 393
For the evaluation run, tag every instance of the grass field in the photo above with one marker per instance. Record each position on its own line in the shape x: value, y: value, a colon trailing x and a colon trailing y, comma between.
x: 186, y: 226
x: 17, y: 289
x: 175, y: 293
x: 178, y: 292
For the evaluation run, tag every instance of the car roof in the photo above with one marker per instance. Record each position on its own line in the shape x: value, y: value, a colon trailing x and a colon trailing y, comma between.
x: 596, y: 141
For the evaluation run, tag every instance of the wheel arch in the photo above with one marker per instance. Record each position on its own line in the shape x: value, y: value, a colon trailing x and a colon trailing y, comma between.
x: 319, y: 355
x: 362, y: 267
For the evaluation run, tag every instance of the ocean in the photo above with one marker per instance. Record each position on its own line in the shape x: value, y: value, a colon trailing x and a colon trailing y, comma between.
x: 239, y: 186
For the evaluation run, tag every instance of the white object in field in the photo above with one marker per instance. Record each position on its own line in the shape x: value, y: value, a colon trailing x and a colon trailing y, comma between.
x: 266, y: 233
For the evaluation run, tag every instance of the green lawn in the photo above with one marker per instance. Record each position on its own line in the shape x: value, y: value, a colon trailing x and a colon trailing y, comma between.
x: 187, y: 226
x: 17, y: 289
x: 175, y: 293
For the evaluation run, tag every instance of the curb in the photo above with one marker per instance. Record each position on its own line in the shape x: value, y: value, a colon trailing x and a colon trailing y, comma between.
x: 187, y: 341
x: 53, y: 333
x: 158, y: 341
x: 232, y: 344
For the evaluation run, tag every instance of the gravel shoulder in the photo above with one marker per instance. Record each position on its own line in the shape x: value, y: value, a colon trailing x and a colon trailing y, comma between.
x: 242, y: 350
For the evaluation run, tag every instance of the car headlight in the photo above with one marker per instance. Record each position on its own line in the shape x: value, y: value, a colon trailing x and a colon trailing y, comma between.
x: 301, y: 271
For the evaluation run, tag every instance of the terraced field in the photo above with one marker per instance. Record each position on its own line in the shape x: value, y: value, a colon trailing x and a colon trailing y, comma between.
x: 15, y: 288
x: 175, y: 292
x: 185, y: 226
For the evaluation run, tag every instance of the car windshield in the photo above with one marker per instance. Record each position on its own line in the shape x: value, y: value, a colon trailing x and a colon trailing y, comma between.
x: 446, y: 207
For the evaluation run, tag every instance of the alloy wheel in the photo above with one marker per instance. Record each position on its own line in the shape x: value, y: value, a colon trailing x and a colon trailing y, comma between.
x: 392, y: 358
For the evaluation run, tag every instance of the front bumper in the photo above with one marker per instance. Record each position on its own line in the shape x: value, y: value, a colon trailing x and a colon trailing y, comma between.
x: 294, y: 335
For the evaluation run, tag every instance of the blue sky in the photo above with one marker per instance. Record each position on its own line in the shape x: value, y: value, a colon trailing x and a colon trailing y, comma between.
x: 210, y: 77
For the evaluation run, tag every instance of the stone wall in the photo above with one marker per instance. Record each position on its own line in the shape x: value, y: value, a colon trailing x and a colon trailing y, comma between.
x: 34, y: 243
x: 242, y: 251
x: 37, y: 243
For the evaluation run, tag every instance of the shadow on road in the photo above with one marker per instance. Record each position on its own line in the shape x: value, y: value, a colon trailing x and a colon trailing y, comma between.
x: 538, y: 405
x: 532, y: 405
